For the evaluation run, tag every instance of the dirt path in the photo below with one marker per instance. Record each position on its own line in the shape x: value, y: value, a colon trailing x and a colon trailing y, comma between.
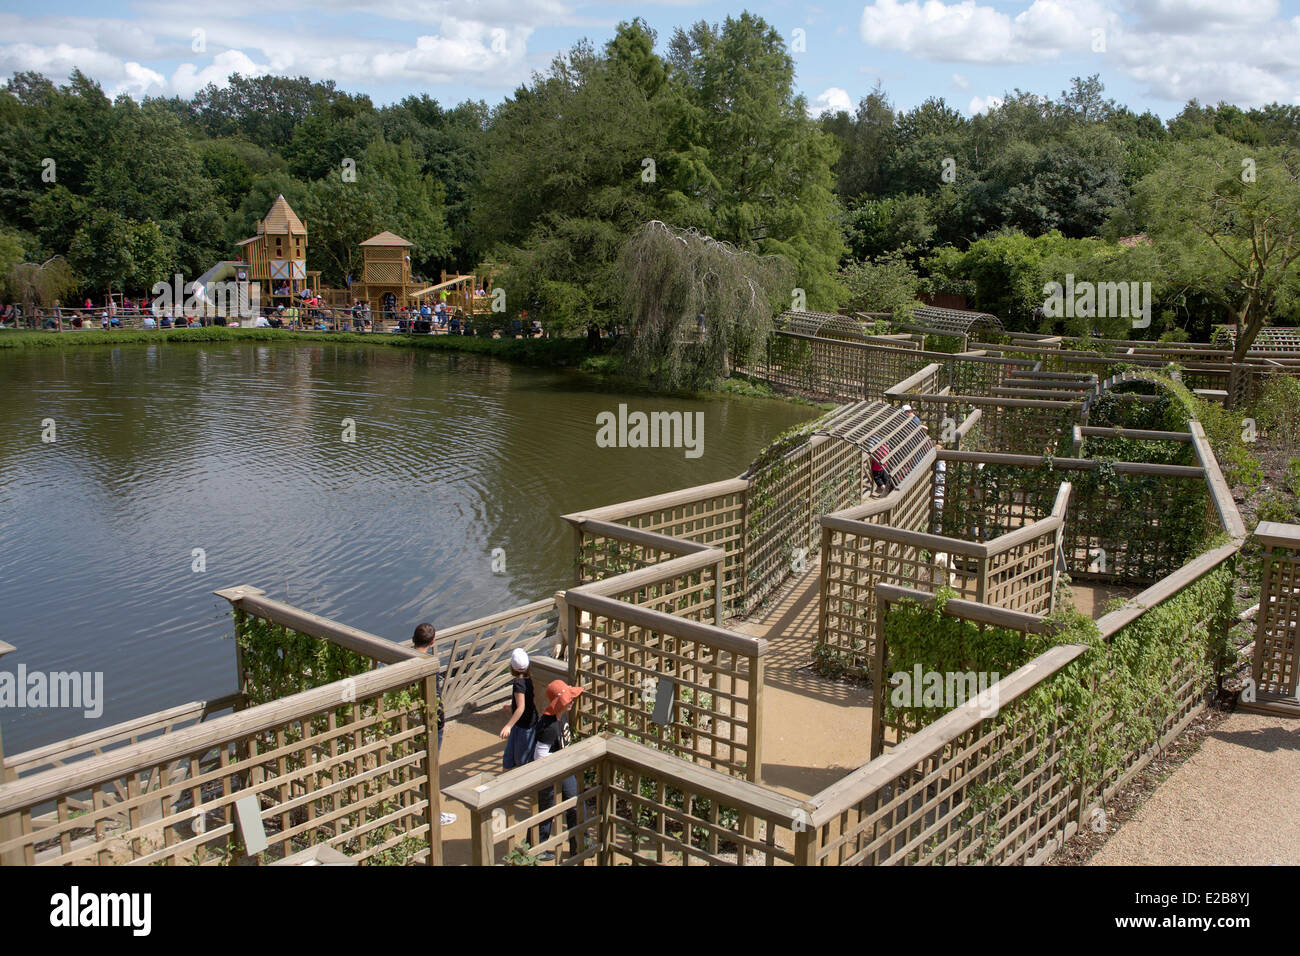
x: 1236, y: 801
x: 814, y: 730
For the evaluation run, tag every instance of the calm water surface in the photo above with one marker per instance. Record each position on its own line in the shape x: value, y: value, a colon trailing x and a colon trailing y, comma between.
x: 236, y: 449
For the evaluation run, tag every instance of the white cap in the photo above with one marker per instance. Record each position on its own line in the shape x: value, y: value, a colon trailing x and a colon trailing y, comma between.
x: 519, y: 659
x: 907, y: 408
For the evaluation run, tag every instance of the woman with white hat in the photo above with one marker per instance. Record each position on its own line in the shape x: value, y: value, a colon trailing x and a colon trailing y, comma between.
x: 520, y: 732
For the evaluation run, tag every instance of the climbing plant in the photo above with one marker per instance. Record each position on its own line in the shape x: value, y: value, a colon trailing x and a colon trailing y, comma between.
x: 1095, y: 717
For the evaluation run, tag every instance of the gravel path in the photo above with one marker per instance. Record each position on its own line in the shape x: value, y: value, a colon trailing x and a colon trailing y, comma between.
x: 1236, y: 801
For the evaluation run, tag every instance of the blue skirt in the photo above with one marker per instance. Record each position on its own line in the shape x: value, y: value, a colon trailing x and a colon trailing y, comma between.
x: 519, y: 746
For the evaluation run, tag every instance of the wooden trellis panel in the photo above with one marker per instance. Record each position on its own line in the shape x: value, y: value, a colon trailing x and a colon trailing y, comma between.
x: 1277, y: 626
x: 712, y: 515
x: 619, y: 653
x: 1137, y: 525
x: 345, y: 765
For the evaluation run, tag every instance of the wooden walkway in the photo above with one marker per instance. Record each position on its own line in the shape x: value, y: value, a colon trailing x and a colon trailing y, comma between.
x: 814, y: 730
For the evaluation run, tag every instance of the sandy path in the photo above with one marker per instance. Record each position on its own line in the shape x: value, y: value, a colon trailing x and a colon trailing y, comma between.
x: 1235, y: 801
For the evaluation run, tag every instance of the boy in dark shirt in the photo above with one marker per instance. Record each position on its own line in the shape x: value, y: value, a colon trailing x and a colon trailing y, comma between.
x: 553, y: 734
x: 520, y: 732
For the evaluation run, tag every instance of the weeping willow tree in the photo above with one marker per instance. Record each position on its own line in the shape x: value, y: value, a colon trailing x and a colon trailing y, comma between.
x: 697, y: 306
x: 41, y: 284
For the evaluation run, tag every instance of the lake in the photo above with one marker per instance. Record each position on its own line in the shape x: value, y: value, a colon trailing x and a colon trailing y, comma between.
x: 238, y: 450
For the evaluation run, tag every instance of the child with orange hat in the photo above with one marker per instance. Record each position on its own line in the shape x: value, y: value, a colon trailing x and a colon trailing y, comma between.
x: 553, y: 734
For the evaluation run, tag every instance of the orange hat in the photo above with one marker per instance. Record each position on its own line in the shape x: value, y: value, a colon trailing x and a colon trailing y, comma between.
x: 560, y: 695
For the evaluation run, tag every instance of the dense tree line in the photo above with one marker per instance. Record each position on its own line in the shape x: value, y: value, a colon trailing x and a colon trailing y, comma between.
x: 870, y: 209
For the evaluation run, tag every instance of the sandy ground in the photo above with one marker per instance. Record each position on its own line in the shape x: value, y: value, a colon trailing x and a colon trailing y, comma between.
x: 1235, y: 801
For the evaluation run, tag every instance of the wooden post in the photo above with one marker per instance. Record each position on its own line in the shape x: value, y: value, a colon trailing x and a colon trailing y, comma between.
x: 605, y: 811
x: 1090, y: 731
x: 577, y: 551
x: 754, y: 767
x: 823, y: 574
x: 742, y: 585
x: 481, y: 841
x: 878, y: 686
x: 433, y: 774
x: 719, y: 608
x: 10, y: 825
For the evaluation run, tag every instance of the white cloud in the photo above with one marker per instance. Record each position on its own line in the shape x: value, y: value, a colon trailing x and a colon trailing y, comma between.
x: 831, y: 100
x: 1194, y: 16
x: 960, y: 81
x: 486, y: 42
x: 189, y: 79
x: 981, y: 104
x: 1211, y: 50
x: 968, y: 32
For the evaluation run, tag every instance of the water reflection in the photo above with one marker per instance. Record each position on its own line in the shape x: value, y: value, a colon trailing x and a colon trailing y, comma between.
x: 237, y: 449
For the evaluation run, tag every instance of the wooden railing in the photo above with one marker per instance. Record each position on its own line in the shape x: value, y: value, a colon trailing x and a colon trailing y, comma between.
x: 628, y: 657
x: 475, y: 655
x: 347, y: 765
x: 711, y: 515
x: 633, y: 806
x: 652, y: 570
x: 863, y: 548
x: 66, y: 752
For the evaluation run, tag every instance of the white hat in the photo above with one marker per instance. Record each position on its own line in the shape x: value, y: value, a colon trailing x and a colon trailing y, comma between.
x: 907, y: 408
x: 519, y: 659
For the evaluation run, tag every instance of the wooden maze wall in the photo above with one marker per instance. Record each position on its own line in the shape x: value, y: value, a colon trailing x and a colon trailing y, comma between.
x: 1277, y: 626
x: 622, y: 655
x: 1132, y: 523
x: 347, y: 765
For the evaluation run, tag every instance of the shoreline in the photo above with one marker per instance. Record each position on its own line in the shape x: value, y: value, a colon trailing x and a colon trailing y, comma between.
x: 560, y: 351
x: 566, y: 353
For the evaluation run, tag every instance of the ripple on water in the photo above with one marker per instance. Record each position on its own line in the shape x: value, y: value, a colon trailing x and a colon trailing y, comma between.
x: 238, y: 450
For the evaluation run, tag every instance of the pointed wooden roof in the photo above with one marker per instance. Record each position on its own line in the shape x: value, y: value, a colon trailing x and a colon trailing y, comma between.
x: 386, y: 239
x: 281, y: 220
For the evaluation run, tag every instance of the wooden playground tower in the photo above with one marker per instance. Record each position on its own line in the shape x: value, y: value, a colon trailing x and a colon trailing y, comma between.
x: 387, y: 285
x: 276, y: 258
x: 277, y: 255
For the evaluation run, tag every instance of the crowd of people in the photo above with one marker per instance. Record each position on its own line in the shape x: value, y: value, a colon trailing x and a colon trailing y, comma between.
x: 304, y: 310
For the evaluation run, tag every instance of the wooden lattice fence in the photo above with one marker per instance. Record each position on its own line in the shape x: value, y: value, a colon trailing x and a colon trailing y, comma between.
x: 346, y: 765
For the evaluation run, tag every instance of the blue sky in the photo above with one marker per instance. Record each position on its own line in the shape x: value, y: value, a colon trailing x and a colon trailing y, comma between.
x: 1151, y: 54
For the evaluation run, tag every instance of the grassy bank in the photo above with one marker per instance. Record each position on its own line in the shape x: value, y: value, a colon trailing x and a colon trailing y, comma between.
x: 545, y: 352
x: 606, y: 364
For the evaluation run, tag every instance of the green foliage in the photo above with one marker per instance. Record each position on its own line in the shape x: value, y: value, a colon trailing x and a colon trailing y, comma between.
x: 1274, y: 505
x: 1110, y: 705
x: 916, y: 635
x: 1222, y: 215
x: 1293, y: 476
x: 887, y: 284
x: 389, y: 193
x: 1278, y: 410
x: 278, y: 661
x: 1224, y: 430
x: 697, y: 305
x: 520, y: 855
x: 1165, y: 414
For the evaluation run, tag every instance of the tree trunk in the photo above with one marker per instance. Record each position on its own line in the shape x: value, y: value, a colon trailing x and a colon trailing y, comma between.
x: 1249, y: 321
